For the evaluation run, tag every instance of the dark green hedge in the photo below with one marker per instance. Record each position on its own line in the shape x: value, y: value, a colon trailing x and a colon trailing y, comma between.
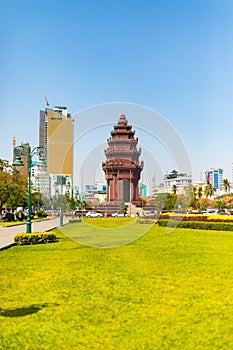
x: 200, y: 225
x: 41, y: 214
x: 9, y: 217
x: 35, y: 238
x: 73, y: 221
x: 145, y: 221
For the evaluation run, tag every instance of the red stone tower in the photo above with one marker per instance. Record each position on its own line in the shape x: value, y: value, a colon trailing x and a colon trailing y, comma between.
x: 122, y: 168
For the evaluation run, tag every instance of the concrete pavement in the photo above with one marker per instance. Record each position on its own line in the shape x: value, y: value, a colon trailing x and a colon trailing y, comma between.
x: 7, y: 233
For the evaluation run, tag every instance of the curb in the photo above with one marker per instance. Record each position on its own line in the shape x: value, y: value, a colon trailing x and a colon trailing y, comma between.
x: 8, y: 246
x: 15, y: 245
x: 23, y: 223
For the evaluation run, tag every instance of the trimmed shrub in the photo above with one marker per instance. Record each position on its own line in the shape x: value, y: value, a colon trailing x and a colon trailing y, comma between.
x: 20, y: 216
x: 41, y: 214
x: 9, y: 217
x: 200, y: 225
x: 145, y: 221
x: 35, y: 238
x: 73, y: 221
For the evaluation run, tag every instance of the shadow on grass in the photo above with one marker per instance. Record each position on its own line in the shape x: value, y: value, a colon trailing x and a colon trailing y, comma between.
x: 24, y: 311
x: 105, y: 237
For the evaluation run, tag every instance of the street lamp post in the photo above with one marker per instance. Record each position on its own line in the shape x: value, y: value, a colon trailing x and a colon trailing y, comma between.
x: 72, y: 199
x: 61, y: 204
x: 38, y: 185
x: 20, y: 151
x: 61, y: 180
x: 71, y: 186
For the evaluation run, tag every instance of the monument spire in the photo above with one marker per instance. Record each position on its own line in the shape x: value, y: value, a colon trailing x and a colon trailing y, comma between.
x: 122, y: 167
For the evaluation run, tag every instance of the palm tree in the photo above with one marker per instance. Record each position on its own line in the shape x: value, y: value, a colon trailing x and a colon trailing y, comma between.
x: 174, y: 189
x: 209, y: 190
x: 199, y: 192
x: 226, y: 185
x: 194, y: 197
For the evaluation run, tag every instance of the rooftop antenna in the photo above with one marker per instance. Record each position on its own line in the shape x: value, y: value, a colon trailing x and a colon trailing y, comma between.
x: 46, y: 101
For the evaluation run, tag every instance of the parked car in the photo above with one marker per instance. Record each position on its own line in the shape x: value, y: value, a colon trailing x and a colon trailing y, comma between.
x: 221, y: 211
x: 93, y: 214
x: 149, y: 213
x: 212, y: 211
x: 120, y: 214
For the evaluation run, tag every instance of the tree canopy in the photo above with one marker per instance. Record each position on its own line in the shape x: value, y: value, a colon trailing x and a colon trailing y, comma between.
x: 13, y: 187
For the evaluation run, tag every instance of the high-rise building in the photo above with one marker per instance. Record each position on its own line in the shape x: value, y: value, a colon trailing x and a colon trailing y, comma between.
x: 142, y: 190
x: 174, y: 180
x: 214, y: 176
x: 231, y: 173
x: 24, y: 168
x: 56, y: 135
x: 177, y: 179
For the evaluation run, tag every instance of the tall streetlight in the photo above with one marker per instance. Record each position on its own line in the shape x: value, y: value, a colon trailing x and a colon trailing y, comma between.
x: 72, y: 199
x: 38, y: 188
x: 20, y: 151
x: 72, y: 179
x: 69, y: 186
x: 61, y: 180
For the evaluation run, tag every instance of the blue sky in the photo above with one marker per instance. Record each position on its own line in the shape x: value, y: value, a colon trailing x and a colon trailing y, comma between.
x: 174, y: 57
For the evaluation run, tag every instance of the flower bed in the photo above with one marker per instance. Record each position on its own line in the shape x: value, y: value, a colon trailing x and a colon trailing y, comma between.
x: 203, y: 218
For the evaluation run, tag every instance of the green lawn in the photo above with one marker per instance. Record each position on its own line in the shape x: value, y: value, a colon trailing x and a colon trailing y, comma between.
x: 162, y: 291
x: 13, y: 223
x: 106, y: 233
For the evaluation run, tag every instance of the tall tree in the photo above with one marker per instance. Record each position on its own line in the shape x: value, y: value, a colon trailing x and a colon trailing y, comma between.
x: 174, y: 189
x: 13, y: 187
x: 199, y: 192
x: 165, y: 201
x: 226, y: 185
x: 187, y: 196
x: 209, y: 190
x: 5, y: 179
x: 18, y: 191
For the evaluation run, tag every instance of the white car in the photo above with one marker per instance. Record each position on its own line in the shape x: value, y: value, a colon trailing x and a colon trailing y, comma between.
x: 149, y: 213
x: 119, y: 214
x: 93, y: 214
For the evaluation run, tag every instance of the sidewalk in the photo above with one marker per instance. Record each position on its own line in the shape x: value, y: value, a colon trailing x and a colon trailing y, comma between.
x: 7, y: 233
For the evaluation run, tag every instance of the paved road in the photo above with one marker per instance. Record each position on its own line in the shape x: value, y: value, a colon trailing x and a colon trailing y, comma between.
x: 7, y: 233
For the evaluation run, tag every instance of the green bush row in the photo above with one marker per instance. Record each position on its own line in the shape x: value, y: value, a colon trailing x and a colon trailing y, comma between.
x: 73, y: 221
x: 35, y: 238
x: 9, y: 217
x: 194, y: 218
x: 200, y: 225
x: 145, y: 221
x: 41, y: 214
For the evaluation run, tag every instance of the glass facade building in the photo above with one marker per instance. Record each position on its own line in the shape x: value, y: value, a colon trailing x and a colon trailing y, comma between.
x: 214, y: 176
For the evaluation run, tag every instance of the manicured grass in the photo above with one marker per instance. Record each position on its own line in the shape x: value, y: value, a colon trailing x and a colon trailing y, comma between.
x: 13, y: 223
x: 163, y: 291
x: 108, y: 222
x: 106, y: 232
